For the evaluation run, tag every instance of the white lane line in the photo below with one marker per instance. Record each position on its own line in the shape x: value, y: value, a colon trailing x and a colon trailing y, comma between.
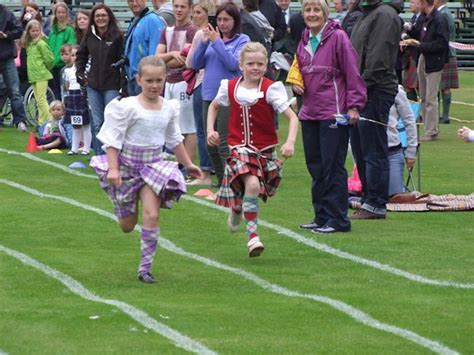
x: 462, y: 103
x: 2, y: 352
x: 345, y: 308
x: 293, y: 235
x: 342, y: 254
x: 140, y: 316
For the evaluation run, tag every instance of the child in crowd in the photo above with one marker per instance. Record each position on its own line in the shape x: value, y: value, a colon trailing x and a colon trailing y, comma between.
x: 134, y: 130
x: 252, y: 169
x: 53, y: 133
x: 39, y: 63
x: 77, y: 110
x: 65, y: 53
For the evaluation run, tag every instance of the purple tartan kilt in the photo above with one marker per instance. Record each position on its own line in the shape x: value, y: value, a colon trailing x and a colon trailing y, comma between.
x: 140, y: 166
x: 267, y: 167
x: 449, y: 77
x: 76, y: 105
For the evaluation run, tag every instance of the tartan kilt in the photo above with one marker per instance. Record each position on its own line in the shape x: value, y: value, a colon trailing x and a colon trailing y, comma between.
x: 140, y: 166
x: 449, y: 77
x: 76, y: 105
x: 265, y: 165
x: 409, y: 73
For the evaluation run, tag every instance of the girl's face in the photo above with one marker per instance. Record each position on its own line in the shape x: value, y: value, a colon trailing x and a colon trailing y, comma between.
x: 152, y: 81
x: 57, y: 112
x: 31, y: 11
x: 82, y: 22
x: 199, y: 16
x: 101, y: 20
x: 66, y: 57
x: 34, y: 32
x: 253, y: 66
x: 225, y: 23
x: 61, y: 15
x: 314, y: 17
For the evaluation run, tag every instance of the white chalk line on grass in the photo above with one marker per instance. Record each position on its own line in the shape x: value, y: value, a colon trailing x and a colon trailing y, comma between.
x: 345, y: 308
x: 462, y: 103
x: 288, y: 233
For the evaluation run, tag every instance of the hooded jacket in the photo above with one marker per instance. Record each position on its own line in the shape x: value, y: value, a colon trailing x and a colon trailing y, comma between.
x: 40, y: 60
x: 331, y: 78
x: 13, y: 30
x: 376, y: 38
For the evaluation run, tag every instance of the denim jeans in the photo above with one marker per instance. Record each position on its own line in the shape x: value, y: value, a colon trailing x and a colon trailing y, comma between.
x: 204, y: 160
x: 325, y: 150
x: 396, y: 160
x: 370, y: 148
x: 98, y: 99
x: 12, y: 83
x: 133, y: 88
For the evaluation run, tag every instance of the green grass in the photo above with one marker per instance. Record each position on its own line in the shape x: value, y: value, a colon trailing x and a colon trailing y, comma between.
x: 224, y: 311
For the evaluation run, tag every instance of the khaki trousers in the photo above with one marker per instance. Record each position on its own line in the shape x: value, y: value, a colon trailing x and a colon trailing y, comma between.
x: 428, y: 90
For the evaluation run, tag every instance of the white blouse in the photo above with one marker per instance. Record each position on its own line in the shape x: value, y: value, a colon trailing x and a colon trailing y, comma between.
x: 276, y: 95
x: 70, y: 77
x: 126, y: 121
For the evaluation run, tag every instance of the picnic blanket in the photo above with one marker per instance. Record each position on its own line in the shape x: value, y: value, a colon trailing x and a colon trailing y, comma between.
x: 418, y: 202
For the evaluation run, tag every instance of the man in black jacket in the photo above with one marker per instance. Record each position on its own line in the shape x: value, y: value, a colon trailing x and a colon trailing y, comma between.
x: 375, y: 37
x: 434, y: 53
x: 10, y: 29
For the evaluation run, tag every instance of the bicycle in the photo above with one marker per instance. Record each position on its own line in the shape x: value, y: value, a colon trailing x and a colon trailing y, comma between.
x: 29, y: 104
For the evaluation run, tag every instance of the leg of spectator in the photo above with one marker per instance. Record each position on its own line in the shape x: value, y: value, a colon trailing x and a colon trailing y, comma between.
x: 12, y: 83
x: 432, y: 115
x: 39, y: 90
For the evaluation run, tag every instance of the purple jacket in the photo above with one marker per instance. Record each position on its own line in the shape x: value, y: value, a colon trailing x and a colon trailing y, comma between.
x: 332, y: 69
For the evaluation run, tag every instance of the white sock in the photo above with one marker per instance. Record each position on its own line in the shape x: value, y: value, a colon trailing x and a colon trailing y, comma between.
x: 76, y: 139
x: 86, y: 131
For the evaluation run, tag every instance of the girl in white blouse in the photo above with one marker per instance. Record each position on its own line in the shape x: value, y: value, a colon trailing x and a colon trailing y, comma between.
x: 134, y: 130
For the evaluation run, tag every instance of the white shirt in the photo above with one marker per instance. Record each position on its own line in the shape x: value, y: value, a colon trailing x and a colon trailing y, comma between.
x: 126, y: 121
x: 70, y: 77
x: 276, y: 95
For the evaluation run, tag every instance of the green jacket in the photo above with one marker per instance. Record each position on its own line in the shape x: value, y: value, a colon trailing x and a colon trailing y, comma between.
x: 39, y: 58
x: 59, y: 37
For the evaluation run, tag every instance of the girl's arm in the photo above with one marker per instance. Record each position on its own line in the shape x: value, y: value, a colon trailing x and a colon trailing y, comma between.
x: 212, y: 135
x: 288, y: 149
x: 113, y: 175
x: 183, y: 158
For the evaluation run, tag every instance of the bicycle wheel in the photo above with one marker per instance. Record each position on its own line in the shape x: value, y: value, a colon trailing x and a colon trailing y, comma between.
x: 31, y: 108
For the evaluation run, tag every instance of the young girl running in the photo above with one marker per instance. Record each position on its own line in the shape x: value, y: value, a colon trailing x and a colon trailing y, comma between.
x: 39, y: 63
x: 134, y: 130
x: 77, y: 111
x: 253, y: 169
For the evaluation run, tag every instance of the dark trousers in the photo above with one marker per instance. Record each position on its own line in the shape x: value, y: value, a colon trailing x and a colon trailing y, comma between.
x: 12, y: 84
x: 219, y: 154
x: 370, y: 148
x: 325, y: 150
x: 55, y: 83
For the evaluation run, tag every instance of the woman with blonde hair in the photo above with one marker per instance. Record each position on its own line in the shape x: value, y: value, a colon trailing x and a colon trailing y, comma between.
x: 61, y: 33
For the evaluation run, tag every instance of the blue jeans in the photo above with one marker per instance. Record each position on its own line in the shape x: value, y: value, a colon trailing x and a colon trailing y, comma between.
x: 325, y: 150
x: 12, y: 82
x: 204, y: 160
x: 133, y: 88
x: 98, y: 99
x: 396, y: 160
x: 370, y: 148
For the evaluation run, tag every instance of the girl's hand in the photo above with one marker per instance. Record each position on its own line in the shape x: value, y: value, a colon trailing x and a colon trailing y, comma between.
x: 297, y: 89
x: 114, y: 178
x: 287, y: 150
x: 213, y: 138
x: 353, y: 116
x: 195, y: 171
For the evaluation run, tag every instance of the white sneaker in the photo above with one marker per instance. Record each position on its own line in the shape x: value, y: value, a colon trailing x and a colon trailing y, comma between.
x: 255, y: 247
x: 21, y: 127
x: 233, y: 221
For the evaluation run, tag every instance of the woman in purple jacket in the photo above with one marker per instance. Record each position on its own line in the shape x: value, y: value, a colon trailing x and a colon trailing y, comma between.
x: 332, y: 89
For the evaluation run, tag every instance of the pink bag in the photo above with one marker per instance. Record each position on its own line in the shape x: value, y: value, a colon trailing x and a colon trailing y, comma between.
x: 354, y: 185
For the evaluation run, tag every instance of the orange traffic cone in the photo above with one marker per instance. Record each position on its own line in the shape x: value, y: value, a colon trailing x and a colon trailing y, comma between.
x: 31, y: 147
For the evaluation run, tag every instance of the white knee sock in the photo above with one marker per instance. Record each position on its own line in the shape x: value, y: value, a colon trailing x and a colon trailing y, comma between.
x: 86, y: 131
x: 76, y: 139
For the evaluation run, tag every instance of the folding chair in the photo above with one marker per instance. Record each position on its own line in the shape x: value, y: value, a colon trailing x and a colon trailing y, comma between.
x: 416, y: 109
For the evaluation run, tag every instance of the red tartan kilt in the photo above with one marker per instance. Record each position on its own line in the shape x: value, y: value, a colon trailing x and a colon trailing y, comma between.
x: 267, y: 167
x: 409, y: 74
x: 449, y: 77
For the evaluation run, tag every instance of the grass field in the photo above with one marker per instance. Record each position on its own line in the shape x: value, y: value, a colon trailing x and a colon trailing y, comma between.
x: 68, y: 275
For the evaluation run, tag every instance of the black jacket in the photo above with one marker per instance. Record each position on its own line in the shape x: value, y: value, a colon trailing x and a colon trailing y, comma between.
x: 434, y: 44
x: 275, y: 16
x: 13, y: 30
x: 103, y: 54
